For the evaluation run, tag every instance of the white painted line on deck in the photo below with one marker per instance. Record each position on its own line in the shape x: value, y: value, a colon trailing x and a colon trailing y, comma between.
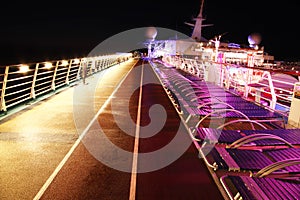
x: 67, y: 156
x: 136, y: 142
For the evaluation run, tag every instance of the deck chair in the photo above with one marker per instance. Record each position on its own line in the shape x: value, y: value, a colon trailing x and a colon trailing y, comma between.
x: 245, y: 187
x: 271, y: 138
x: 234, y: 159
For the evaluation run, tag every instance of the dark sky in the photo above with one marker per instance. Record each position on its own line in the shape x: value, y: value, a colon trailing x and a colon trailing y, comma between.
x: 50, y: 30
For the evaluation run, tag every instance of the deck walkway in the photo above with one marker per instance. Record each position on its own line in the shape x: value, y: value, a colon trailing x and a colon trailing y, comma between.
x: 48, y: 149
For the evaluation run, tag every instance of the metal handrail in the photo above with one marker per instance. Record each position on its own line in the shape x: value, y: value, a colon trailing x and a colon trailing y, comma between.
x: 246, y: 76
x: 44, y: 77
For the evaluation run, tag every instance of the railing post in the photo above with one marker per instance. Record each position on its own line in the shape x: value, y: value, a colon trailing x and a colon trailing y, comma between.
x: 222, y: 75
x: 97, y: 64
x: 3, y: 105
x: 79, y: 69
x: 68, y: 72
x: 257, y: 95
x: 32, y: 91
x: 93, y: 66
x: 272, y: 90
x: 89, y: 67
x: 227, y: 77
x: 54, y: 76
x: 105, y: 62
x: 102, y: 63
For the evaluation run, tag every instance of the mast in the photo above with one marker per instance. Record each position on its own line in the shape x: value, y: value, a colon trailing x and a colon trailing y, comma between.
x: 196, y: 35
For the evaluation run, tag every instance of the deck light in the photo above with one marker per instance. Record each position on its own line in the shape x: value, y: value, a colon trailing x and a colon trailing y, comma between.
x: 23, y: 68
x: 64, y: 63
x: 76, y: 61
x: 48, y: 65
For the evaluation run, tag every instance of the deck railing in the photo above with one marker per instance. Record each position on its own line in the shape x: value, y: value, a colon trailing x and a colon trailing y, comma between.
x: 271, y: 89
x: 23, y: 82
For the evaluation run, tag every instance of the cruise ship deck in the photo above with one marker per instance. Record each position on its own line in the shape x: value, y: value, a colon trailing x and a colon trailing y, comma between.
x: 140, y: 129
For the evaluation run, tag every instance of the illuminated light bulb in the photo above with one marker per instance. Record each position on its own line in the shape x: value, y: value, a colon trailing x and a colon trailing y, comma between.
x: 76, y: 61
x: 64, y: 63
x: 48, y: 65
x: 24, y: 68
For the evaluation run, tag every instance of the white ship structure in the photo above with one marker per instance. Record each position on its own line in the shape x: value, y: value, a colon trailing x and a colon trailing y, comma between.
x: 246, y: 70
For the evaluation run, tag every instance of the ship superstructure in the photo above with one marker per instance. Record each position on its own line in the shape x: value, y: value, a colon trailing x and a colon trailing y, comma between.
x: 246, y: 69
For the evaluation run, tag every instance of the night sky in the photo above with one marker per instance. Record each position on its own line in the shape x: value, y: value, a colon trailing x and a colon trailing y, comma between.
x: 50, y: 30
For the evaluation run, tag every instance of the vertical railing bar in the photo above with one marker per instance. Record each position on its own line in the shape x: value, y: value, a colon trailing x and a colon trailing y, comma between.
x: 79, y: 69
x: 3, y: 104
x: 53, y: 87
x: 32, y: 91
x: 68, y: 72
